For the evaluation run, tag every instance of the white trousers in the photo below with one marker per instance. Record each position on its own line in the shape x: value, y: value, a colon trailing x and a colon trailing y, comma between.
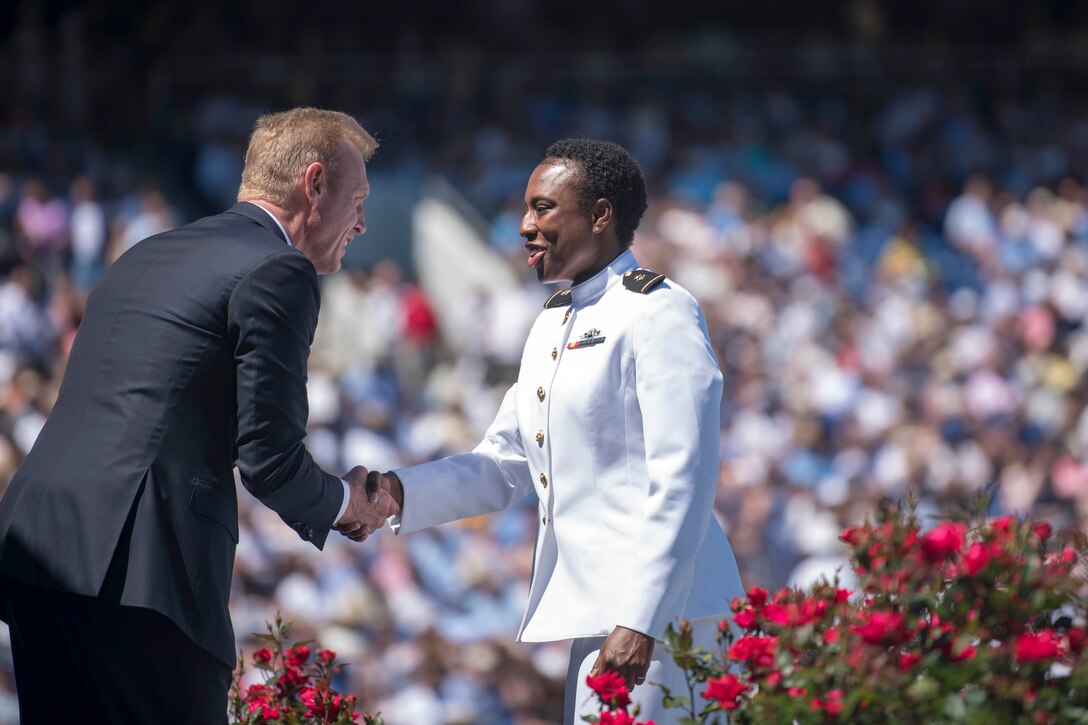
x: 579, y: 700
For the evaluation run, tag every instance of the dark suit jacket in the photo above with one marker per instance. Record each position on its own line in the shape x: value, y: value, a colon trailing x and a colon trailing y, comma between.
x: 191, y: 359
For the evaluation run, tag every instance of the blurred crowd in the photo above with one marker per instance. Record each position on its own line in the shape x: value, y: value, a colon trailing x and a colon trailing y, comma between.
x: 895, y: 279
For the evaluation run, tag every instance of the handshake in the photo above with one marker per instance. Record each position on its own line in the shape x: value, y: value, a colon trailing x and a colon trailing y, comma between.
x: 373, y: 498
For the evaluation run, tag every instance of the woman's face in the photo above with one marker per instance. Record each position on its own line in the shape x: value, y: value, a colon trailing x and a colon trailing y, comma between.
x: 558, y: 229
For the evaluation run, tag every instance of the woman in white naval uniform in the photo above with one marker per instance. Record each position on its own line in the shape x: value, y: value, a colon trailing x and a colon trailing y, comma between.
x: 614, y: 420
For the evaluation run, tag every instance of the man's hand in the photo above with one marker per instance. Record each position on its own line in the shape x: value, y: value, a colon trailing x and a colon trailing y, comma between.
x: 627, y: 653
x: 369, y: 504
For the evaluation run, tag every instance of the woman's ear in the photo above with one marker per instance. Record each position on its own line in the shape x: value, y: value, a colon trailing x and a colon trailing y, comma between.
x: 601, y: 215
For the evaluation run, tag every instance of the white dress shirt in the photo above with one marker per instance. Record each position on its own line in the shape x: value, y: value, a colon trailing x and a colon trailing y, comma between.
x: 614, y: 421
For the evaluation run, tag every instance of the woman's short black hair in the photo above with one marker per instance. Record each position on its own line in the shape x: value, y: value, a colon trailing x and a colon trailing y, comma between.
x: 607, y: 171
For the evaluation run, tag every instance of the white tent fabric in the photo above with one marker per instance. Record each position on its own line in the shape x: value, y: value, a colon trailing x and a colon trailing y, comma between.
x: 456, y: 268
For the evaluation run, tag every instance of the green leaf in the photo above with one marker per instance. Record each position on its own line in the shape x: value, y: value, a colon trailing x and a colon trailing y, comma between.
x: 955, y: 708
x: 922, y: 688
x: 850, y: 703
x: 976, y: 697
x: 670, y: 701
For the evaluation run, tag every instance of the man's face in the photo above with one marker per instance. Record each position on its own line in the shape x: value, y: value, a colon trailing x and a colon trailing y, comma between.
x: 557, y: 227
x: 336, y: 214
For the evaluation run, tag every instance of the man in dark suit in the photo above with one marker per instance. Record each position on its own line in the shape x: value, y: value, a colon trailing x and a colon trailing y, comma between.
x: 117, y: 535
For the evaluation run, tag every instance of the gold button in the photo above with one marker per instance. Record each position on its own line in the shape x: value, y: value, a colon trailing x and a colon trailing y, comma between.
x: 540, y: 437
x: 566, y: 316
x: 544, y: 480
x: 540, y: 394
x: 555, y: 352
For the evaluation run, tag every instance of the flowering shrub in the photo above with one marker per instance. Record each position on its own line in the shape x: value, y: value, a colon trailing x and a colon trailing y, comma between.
x: 615, y: 699
x: 981, y: 623
x: 296, y: 686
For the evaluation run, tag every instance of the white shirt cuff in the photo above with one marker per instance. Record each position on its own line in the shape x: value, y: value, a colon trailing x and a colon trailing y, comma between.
x: 344, y: 505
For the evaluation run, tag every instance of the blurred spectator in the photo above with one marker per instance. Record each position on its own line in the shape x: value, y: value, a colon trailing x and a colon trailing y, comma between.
x: 151, y: 216
x: 41, y: 227
x: 88, y: 225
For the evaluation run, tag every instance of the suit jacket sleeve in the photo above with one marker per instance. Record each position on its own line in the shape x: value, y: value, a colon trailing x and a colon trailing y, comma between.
x: 489, y: 478
x: 271, y: 316
x: 679, y: 389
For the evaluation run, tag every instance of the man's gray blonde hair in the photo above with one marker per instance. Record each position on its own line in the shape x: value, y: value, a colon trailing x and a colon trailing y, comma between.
x: 284, y: 144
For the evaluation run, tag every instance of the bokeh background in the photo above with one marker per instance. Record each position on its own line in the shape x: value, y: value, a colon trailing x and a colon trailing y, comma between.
x: 880, y: 206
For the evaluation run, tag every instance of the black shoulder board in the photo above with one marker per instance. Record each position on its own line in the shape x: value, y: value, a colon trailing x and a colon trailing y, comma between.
x: 559, y: 299
x: 642, y: 280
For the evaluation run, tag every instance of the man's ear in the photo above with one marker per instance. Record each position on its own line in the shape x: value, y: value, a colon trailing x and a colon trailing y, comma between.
x: 314, y: 181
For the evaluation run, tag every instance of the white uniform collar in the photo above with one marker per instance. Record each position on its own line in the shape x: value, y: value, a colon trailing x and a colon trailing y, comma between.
x: 591, y: 290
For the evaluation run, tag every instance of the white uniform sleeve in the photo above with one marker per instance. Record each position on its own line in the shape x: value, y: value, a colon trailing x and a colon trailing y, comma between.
x: 679, y: 389
x: 489, y: 478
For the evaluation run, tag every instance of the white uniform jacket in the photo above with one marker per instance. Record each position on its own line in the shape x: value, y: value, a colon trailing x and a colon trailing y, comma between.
x: 614, y: 420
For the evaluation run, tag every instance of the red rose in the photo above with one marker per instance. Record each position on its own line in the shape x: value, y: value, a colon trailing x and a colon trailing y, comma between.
x: 1042, y: 530
x: 792, y: 615
x: 813, y: 610
x: 1033, y: 647
x: 832, y: 705
x: 907, y: 660
x: 312, y: 698
x: 967, y: 653
x: 842, y: 595
x: 745, y: 618
x: 796, y: 692
x: 290, y: 679
x: 774, y: 679
x: 262, y: 657
x: 265, y: 710
x: 259, y: 692
x: 831, y: 636
x: 783, y: 614
x: 944, y: 541
x: 727, y: 690
x: 757, y: 597
x: 976, y: 557
x: 1003, y: 525
x: 326, y: 656
x: 755, y: 651
x: 1064, y: 560
x: 297, y: 656
x: 851, y: 536
x: 616, y: 718
x: 881, y: 627
x: 610, y: 688
x: 1077, y: 638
